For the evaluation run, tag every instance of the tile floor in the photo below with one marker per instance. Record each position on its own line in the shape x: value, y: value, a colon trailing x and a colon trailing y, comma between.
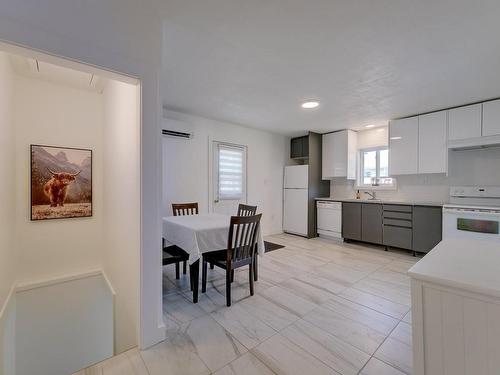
x: 321, y: 307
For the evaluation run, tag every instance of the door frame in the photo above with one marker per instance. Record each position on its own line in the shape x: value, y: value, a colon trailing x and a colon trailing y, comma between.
x: 150, y: 324
x: 210, y: 161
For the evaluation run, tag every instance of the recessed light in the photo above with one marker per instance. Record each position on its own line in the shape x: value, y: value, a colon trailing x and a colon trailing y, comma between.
x: 396, y: 138
x: 310, y: 104
x: 369, y: 126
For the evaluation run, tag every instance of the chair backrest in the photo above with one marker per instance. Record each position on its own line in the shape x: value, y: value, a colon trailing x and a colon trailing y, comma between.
x: 244, y: 210
x: 181, y: 209
x: 242, y: 240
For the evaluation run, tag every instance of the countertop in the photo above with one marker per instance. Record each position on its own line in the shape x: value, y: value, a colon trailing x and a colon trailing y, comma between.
x: 382, y: 201
x: 472, y: 265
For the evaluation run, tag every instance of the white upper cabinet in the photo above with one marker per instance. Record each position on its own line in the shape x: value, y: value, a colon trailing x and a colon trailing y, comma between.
x: 432, y: 143
x: 339, y: 155
x: 491, y: 118
x: 464, y: 122
x: 403, y: 146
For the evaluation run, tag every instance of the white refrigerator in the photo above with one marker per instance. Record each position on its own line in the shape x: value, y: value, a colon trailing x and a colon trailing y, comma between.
x: 295, y: 199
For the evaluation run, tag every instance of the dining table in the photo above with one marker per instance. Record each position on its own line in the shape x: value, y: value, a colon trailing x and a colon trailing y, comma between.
x: 198, y: 234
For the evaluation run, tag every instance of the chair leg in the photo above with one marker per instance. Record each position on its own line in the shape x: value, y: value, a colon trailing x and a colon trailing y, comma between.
x: 251, y: 277
x: 190, y: 278
x: 255, y: 268
x: 228, y: 287
x: 204, y: 277
x: 177, y: 273
x: 212, y: 266
x: 185, y: 267
x: 232, y: 276
x: 196, y: 276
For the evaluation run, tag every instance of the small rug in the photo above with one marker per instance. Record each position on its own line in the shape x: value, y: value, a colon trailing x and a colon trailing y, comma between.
x: 269, y: 246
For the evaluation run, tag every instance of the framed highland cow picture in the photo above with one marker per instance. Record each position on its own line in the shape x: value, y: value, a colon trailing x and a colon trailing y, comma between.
x: 61, y: 182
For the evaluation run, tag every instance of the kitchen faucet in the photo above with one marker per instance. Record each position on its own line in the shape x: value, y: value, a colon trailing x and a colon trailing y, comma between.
x: 372, y: 195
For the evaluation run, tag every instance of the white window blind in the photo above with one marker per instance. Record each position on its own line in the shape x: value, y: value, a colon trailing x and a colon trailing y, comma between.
x: 231, y: 172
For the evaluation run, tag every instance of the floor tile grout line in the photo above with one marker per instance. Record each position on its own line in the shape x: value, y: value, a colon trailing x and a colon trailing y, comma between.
x: 144, y: 362
x: 382, y: 343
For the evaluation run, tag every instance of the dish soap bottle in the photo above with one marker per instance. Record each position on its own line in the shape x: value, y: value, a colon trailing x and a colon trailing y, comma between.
x: 358, y: 195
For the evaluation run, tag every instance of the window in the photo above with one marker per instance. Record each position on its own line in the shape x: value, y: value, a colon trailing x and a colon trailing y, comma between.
x: 374, y: 168
x: 231, y: 173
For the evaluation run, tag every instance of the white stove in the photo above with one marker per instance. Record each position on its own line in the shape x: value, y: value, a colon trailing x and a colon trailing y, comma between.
x: 473, y: 212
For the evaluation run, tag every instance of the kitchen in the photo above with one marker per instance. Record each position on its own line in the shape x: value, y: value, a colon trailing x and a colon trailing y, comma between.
x: 414, y: 186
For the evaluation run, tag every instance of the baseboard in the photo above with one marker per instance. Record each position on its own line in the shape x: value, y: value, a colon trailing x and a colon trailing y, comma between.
x: 57, y: 280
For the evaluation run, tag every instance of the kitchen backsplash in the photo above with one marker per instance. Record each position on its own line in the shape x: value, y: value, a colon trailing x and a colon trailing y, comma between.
x: 468, y: 167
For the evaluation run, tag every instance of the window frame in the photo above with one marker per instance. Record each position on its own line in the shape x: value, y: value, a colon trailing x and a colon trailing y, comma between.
x: 243, y: 149
x: 360, y: 178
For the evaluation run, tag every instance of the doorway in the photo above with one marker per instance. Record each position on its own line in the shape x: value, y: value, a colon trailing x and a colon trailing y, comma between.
x: 67, y: 105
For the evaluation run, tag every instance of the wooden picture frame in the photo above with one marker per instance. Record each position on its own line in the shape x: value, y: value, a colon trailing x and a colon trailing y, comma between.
x: 61, y: 182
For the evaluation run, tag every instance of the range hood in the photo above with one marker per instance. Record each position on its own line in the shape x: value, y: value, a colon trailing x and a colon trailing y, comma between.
x: 475, y: 143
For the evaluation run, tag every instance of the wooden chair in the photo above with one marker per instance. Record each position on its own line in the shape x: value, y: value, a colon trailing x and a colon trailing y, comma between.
x: 241, y: 246
x: 181, y: 209
x: 244, y: 210
x: 173, y: 254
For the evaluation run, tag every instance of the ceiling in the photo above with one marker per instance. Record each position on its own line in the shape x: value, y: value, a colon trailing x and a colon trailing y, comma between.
x: 57, y: 74
x: 367, y: 61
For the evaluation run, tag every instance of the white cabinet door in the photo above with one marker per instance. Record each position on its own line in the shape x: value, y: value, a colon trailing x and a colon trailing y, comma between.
x: 491, y: 118
x: 335, y: 155
x: 403, y: 146
x: 295, y: 211
x: 339, y: 155
x: 328, y: 146
x: 352, y: 154
x: 432, y: 143
x: 464, y: 122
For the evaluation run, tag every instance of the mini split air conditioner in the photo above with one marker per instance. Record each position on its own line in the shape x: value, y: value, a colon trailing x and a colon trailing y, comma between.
x: 177, y: 129
x: 176, y: 134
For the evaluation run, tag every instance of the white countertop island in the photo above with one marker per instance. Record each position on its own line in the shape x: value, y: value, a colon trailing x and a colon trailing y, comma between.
x: 456, y: 309
x: 471, y: 265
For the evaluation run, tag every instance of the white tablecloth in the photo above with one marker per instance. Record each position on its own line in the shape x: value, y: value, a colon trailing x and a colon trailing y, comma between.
x: 198, y: 234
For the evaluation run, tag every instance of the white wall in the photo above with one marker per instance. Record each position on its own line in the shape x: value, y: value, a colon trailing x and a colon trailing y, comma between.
x: 186, y: 166
x: 471, y: 167
x: 373, y: 138
x: 125, y: 36
x: 51, y: 114
x: 8, y: 262
x: 121, y: 248
x: 8, y: 185
x: 63, y: 327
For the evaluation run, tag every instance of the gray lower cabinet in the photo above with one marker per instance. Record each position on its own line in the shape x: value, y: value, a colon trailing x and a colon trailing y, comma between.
x: 427, y: 228
x: 371, y: 223
x: 396, y: 236
x: 417, y: 228
x: 398, y: 226
x: 351, y: 221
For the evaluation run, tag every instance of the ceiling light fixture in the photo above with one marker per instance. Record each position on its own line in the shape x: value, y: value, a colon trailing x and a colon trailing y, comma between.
x: 369, y: 126
x: 310, y: 104
x: 396, y: 138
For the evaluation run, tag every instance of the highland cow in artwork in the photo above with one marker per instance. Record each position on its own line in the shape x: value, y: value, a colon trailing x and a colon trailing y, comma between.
x: 56, y: 189
x: 61, y: 182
